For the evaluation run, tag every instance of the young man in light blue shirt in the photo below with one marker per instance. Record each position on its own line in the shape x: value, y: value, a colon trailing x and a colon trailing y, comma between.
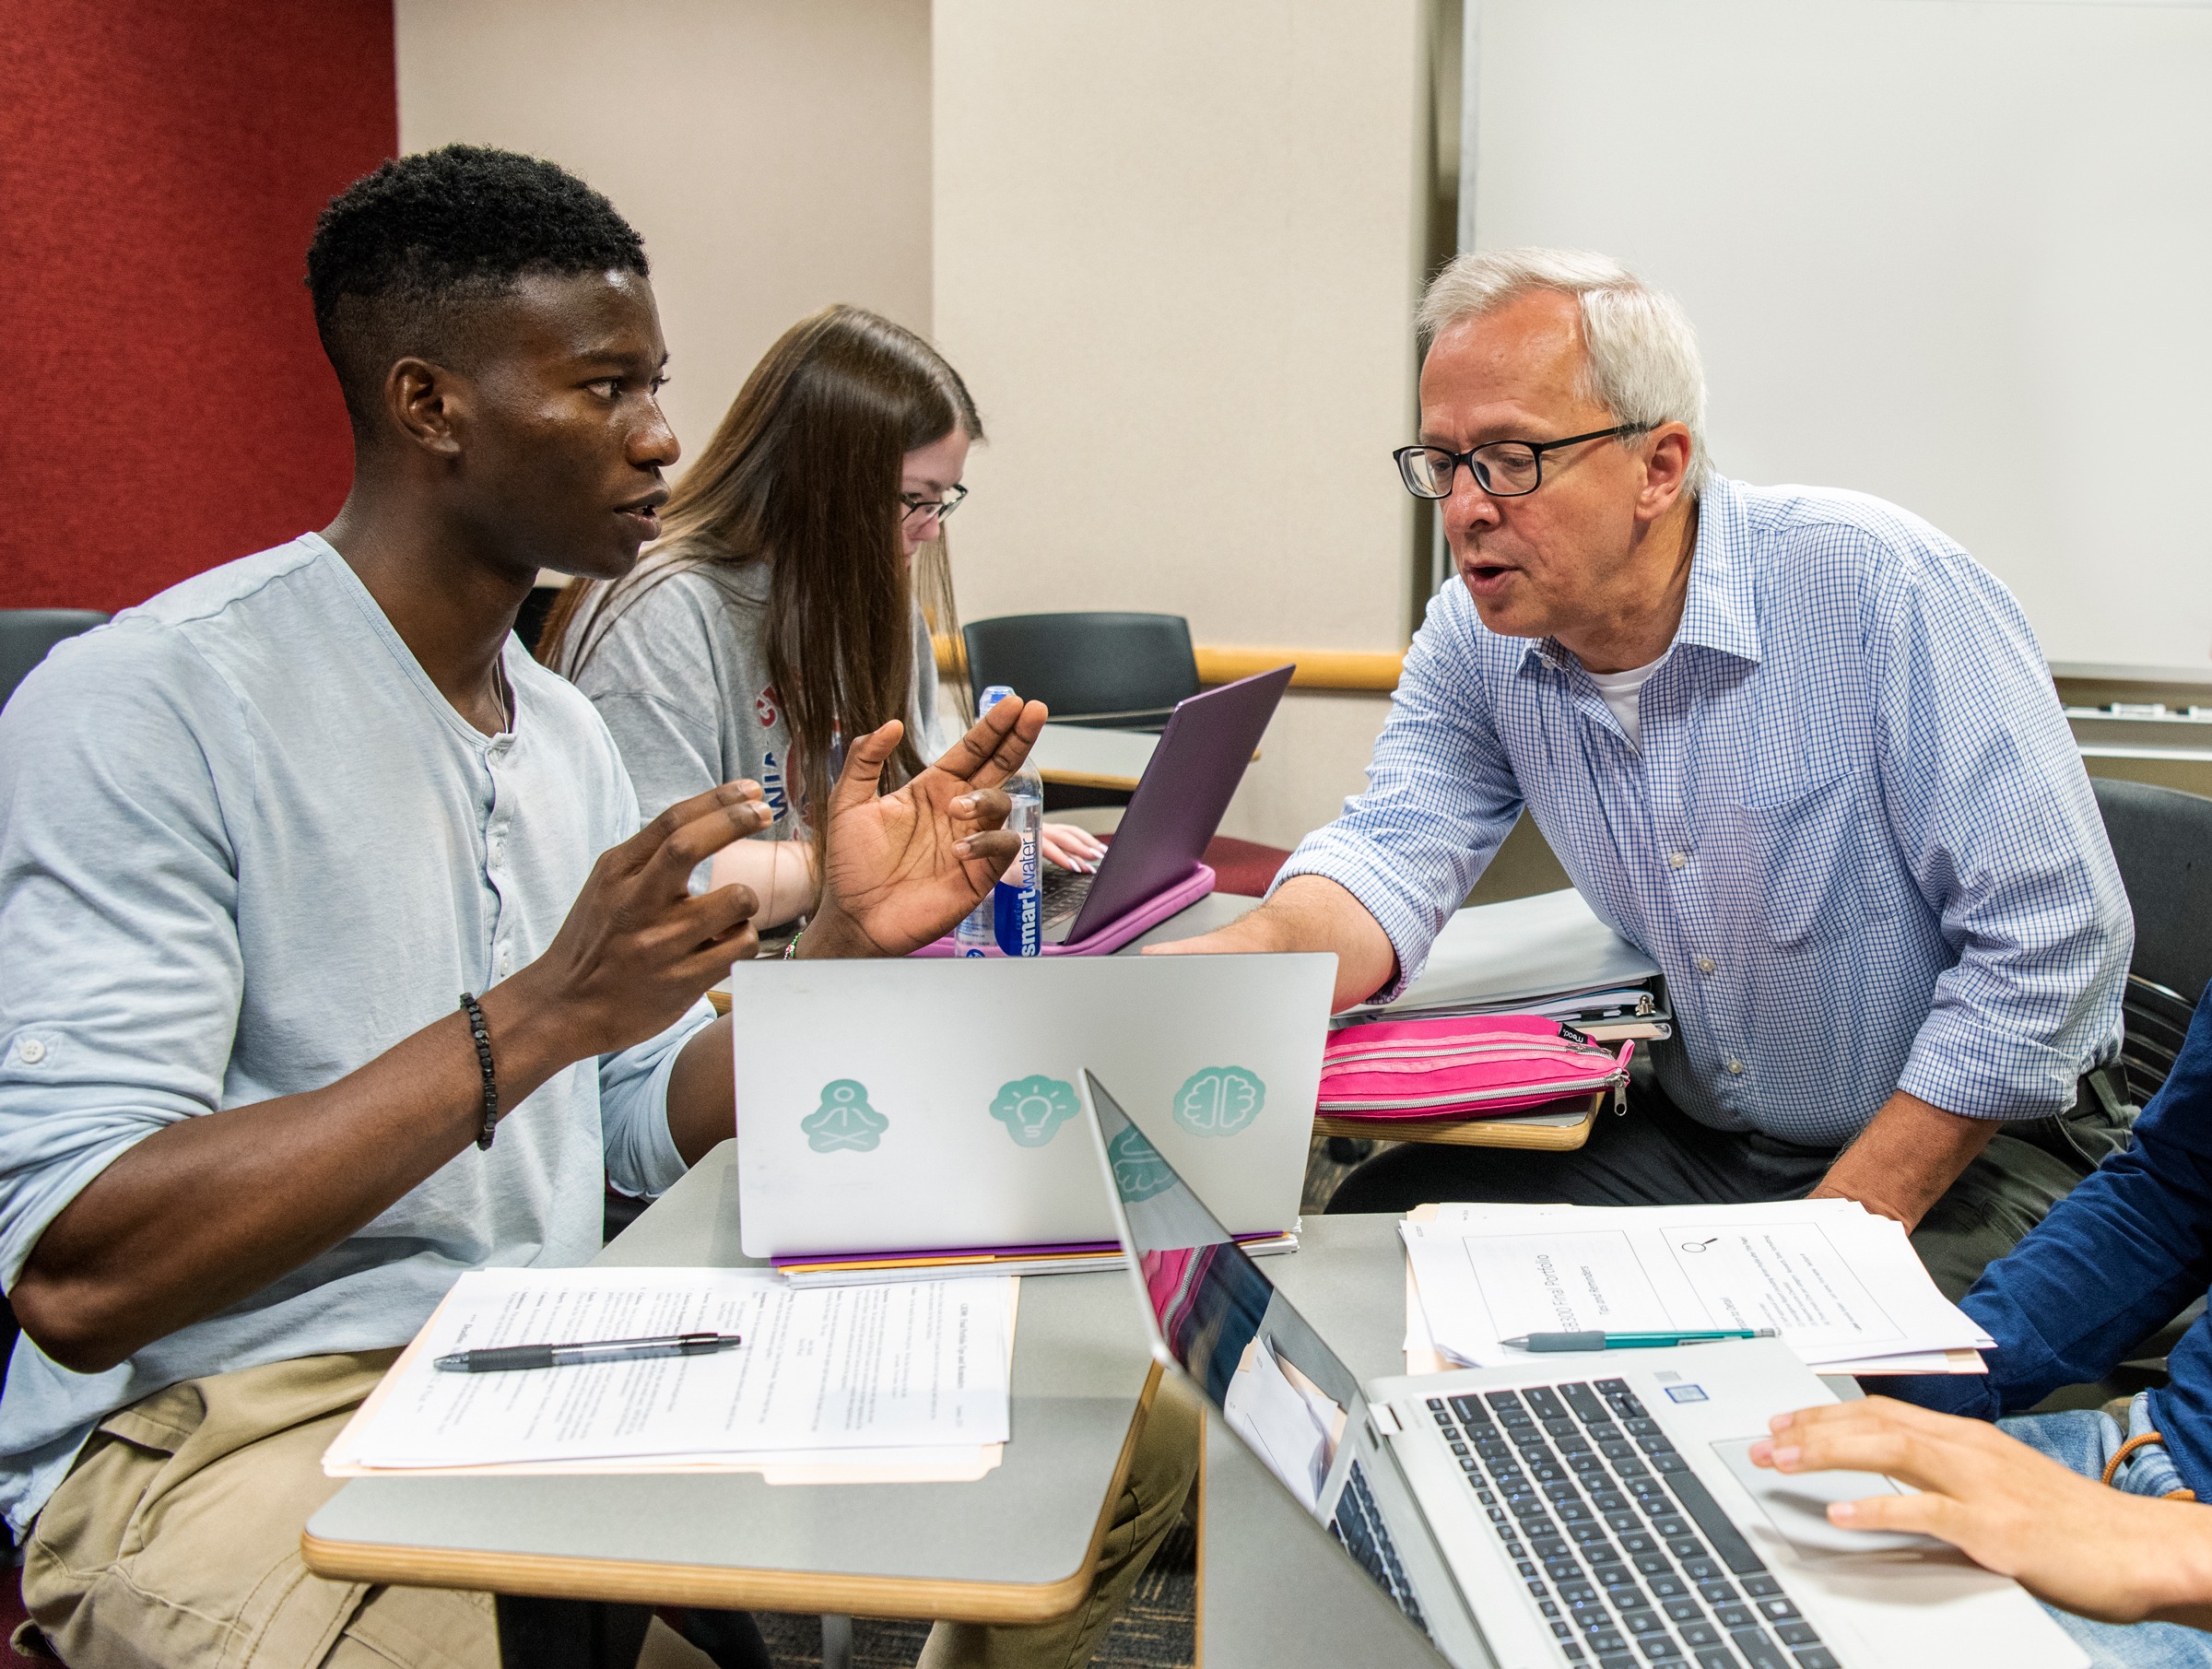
x: 1791, y: 742
x: 255, y: 838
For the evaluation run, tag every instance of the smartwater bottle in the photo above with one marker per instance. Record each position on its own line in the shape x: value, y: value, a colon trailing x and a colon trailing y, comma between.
x: 1012, y: 917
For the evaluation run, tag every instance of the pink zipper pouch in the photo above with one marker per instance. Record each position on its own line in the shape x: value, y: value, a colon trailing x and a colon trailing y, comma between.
x: 1467, y: 1066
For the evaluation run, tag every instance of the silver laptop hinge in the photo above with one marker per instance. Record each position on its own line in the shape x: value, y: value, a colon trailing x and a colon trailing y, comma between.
x: 1385, y: 1418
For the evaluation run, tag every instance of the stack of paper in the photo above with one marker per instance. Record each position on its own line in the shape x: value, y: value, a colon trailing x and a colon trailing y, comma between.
x: 860, y: 1267
x: 1518, y: 954
x: 1841, y: 1286
x: 878, y: 1382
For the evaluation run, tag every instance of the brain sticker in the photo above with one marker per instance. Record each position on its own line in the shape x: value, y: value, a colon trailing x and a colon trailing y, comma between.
x: 1138, y: 1170
x: 1219, y: 1101
x: 844, y: 1121
x: 1032, y: 1110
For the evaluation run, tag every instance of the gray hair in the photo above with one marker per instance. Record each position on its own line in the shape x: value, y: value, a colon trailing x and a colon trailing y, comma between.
x: 1642, y: 355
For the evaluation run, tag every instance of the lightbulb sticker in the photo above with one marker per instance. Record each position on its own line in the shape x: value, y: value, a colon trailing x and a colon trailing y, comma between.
x: 1032, y: 1110
x: 1219, y: 1101
x: 1138, y: 1170
x: 844, y: 1122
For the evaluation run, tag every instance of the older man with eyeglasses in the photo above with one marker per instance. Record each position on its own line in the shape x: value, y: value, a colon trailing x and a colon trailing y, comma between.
x: 1792, y: 741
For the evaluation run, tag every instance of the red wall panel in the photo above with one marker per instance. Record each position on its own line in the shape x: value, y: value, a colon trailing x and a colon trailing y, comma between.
x: 166, y: 405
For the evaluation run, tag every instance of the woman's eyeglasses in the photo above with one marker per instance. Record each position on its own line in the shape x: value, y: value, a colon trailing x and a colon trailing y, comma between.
x: 914, y: 504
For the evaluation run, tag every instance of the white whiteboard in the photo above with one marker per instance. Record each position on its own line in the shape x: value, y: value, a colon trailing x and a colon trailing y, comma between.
x: 1956, y: 254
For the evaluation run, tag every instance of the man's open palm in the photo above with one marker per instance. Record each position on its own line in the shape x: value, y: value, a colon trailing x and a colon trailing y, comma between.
x: 901, y: 869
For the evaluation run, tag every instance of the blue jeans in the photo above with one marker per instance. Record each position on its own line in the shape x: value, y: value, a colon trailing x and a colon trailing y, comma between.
x: 2083, y: 1440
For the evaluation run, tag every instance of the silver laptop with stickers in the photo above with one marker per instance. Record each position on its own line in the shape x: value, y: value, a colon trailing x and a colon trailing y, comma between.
x: 931, y: 1106
x: 1585, y: 1512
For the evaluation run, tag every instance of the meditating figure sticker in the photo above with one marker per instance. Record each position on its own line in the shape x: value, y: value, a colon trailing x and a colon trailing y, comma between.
x: 1219, y: 1101
x: 1138, y: 1170
x: 844, y: 1120
x: 1032, y: 1110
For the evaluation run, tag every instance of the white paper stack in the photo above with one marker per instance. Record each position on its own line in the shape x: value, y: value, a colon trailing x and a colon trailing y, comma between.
x: 1520, y: 954
x: 1839, y: 1284
x: 883, y: 1381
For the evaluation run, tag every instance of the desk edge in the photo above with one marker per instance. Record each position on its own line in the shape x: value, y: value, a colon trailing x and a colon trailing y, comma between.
x: 646, y: 1581
x: 650, y: 1582
x: 1088, y: 779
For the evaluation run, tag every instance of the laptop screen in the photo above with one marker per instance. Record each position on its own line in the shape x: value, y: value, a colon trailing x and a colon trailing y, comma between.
x: 1218, y: 1317
x: 1180, y: 801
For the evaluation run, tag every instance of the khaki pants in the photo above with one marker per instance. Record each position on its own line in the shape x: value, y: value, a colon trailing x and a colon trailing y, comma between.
x: 175, y: 1544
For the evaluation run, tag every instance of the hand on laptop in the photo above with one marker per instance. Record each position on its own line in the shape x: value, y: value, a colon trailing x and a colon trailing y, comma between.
x: 1307, y: 912
x: 1070, y: 847
x: 901, y: 869
x: 2066, y: 1538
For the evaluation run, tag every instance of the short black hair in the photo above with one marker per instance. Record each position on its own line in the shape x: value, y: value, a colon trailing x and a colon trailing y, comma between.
x: 401, y: 254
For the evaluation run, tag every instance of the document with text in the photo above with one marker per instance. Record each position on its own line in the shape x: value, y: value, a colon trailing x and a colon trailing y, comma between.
x: 1839, y: 1284
x: 912, y: 1367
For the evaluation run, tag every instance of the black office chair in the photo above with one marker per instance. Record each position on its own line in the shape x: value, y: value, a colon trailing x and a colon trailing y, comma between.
x: 2162, y: 841
x: 1116, y: 671
x: 26, y: 634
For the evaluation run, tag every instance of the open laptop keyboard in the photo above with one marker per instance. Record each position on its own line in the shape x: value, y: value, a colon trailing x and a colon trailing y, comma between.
x: 1628, y: 1556
x: 1062, y: 895
x: 1360, y: 1528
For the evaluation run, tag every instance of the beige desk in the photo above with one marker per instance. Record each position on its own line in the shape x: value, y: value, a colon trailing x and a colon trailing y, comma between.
x: 1015, y: 1545
x: 1072, y: 757
x: 1560, y: 1128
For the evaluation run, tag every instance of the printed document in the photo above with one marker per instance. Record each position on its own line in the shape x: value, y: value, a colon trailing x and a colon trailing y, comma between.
x: 889, y: 1366
x: 1838, y: 1283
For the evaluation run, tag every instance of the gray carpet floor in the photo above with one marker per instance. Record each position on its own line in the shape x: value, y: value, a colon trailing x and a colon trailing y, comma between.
x: 1157, y: 1628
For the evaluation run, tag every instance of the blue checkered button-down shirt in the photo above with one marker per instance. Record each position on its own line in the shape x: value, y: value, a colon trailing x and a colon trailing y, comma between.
x: 1857, y: 837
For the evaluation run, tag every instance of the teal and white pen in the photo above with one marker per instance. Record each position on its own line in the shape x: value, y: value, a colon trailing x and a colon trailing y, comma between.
x: 1630, y: 1340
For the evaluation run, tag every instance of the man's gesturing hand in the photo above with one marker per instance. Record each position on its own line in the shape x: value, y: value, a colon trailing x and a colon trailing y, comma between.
x: 2063, y: 1537
x: 637, y: 950
x: 902, y: 868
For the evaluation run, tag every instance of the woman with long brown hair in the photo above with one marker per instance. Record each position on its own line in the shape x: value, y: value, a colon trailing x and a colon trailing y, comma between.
x: 793, y: 598
x: 791, y: 603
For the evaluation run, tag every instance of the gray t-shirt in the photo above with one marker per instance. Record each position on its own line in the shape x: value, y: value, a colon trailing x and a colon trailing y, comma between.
x: 246, y: 846
x: 680, y: 676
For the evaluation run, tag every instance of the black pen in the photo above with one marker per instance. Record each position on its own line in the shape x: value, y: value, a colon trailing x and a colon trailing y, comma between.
x: 506, y: 1359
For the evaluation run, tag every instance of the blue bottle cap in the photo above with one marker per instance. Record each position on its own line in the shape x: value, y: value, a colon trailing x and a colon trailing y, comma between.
x: 992, y: 696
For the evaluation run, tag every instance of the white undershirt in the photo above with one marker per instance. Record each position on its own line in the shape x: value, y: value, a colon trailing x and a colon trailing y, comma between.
x: 1623, y: 692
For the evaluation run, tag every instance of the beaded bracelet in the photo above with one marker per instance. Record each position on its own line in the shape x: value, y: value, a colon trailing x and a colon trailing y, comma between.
x: 491, y: 1082
x: 791, y: 951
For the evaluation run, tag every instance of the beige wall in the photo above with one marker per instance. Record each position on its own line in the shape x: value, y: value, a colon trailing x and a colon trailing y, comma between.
x: 1174, y: 249
x: 1176, y: 252
x: 774, y: 154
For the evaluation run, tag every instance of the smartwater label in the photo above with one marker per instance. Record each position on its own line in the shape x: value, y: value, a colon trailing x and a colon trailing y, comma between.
x: 1014, y: 916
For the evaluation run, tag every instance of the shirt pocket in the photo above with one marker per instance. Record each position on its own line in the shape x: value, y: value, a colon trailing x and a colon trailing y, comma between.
x: 1799, y: 848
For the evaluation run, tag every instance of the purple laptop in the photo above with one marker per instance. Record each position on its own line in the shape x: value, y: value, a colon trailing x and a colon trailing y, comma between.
x: 1155, y: 866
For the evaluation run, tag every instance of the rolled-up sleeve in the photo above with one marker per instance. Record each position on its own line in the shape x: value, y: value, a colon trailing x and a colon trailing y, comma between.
x: 641, y: 1157
x: 1440, y: 798
x: 122, y: 982
x: 1993, y: 814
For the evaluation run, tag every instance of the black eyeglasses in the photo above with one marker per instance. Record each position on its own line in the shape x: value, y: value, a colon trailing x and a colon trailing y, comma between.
x: 1504, y: 469
x: 914, y: 504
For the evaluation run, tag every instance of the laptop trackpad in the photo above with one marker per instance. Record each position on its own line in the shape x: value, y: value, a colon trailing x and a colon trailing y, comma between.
x: 1796, y: 1504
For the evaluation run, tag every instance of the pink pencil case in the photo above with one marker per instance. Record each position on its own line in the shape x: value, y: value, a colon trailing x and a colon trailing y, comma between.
x: 1469, y: 1066
x: 1117, y: 932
